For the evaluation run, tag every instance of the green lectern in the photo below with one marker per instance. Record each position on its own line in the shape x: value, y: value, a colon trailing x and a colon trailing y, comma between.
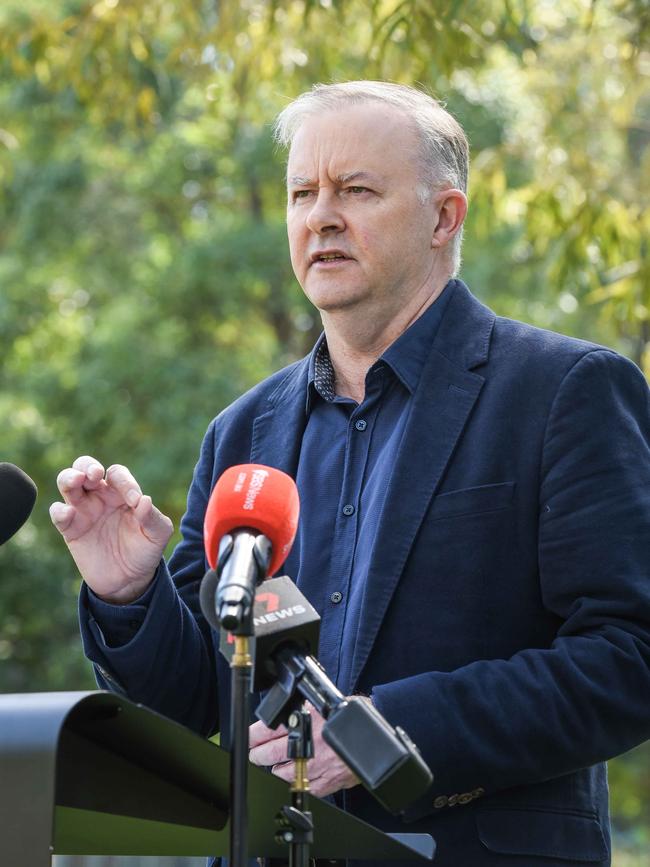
x: 92, y: 773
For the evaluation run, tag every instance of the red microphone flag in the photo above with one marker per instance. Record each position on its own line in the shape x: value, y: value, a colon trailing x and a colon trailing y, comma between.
x: 258, y: 497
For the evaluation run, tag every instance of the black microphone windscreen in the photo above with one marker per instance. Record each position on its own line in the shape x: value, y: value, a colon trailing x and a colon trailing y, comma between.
x: 17, y: 498
x: 207, y: 597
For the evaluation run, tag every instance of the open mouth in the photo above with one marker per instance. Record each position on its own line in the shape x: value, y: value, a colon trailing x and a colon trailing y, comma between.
x: 328, y: 258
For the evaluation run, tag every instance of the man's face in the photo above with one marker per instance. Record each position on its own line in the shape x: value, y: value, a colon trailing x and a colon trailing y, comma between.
x: 358, y: 234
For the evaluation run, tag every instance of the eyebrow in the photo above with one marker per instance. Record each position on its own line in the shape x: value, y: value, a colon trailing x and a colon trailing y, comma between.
x: 345, y: 178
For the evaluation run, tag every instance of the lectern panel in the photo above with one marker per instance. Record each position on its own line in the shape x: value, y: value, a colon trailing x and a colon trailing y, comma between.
x: 92, y: 773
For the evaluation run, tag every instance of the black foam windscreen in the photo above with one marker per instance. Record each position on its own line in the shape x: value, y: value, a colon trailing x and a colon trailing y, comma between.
x: 207, y: 597
x: 17, y: 498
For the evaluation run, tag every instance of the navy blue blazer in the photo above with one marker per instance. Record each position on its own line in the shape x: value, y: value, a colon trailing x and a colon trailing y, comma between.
x: 506, y: 619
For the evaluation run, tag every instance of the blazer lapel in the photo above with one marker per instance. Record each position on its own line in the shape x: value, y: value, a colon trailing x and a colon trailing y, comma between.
x: 442, y: 404
x: 277, y: 434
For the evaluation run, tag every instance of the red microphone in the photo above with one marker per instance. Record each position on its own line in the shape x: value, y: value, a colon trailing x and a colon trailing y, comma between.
x: 249, y: 527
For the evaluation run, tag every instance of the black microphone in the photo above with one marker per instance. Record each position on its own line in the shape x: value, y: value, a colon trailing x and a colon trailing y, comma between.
x: 17, y: 498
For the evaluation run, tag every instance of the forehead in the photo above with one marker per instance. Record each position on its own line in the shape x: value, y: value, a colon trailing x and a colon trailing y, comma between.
x: 372, y: 136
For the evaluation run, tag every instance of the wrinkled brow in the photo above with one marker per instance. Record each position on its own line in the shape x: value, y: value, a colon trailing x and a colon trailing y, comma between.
x: 297, y: 181
x: 345, y: 178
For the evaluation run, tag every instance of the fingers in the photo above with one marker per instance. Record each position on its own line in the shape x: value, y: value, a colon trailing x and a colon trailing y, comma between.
x: 324, y: 778
x: 61, y: 516
x: 91, y: 468
x: 273, y: 752
x: 119, y: 478
x: 69, y: 521
x: 85, y: 474
x: 117, y: 487
x: 259, y: 733
x: 155, y: 526
x: 70, y: 484
x: 327, y: 772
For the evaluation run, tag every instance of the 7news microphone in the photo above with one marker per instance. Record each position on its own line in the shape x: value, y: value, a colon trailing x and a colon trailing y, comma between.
x: 250, y: 524
x: 17, y: 498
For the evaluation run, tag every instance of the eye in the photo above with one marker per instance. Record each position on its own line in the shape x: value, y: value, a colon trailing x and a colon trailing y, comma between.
x: 357, y: 190
x: 300, y: 194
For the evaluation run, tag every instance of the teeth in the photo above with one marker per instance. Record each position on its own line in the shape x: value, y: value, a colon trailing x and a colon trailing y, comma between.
x: 332, y: 256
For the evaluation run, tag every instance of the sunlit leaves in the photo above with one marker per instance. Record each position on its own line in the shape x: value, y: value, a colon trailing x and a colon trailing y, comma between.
x: 144, y: 276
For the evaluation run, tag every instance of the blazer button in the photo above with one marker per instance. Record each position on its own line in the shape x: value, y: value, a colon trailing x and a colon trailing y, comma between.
x: 440, y: 801
x: 453, y: 800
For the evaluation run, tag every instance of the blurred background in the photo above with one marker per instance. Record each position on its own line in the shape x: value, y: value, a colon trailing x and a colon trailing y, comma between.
x: 144, y: 271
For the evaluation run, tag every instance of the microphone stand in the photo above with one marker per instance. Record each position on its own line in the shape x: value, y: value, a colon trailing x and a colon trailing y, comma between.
x: 295, y: 823
x: 242, y: 564
x: 241, y: 668
x: 384, y: 758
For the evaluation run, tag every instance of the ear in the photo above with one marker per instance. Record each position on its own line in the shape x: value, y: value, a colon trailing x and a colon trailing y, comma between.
x: 452, y: 208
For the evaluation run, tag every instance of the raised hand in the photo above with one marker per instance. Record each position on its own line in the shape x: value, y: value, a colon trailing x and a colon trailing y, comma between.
x: 113, y: 531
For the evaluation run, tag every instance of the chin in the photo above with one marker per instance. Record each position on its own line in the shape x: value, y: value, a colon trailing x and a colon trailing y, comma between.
x: 330, y: 299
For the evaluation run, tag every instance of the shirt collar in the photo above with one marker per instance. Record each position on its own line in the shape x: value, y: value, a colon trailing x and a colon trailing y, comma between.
x: 405, y: 357
x: 408, y: 354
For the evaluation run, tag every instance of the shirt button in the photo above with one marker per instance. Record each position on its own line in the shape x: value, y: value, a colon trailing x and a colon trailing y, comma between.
x: 361, y: 424
x: 336, y: 597
x: 348, y: 510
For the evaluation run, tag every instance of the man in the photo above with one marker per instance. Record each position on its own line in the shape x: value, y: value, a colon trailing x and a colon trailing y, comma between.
x: 475, y: 510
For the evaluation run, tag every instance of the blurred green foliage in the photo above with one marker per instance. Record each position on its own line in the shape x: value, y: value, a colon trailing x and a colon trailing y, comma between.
x: 144, y: 275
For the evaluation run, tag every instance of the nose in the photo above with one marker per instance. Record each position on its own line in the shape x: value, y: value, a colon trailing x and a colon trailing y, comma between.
x: 325, y: 215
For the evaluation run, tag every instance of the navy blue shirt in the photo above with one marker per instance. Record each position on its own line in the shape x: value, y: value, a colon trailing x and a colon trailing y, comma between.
x: 346, y: 460
x: 347, y: 456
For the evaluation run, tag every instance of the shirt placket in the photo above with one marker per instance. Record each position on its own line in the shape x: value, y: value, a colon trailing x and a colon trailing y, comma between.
x: 350, y: 515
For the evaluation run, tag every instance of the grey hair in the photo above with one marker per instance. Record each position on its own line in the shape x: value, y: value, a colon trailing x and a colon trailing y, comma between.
x: 443, y: 151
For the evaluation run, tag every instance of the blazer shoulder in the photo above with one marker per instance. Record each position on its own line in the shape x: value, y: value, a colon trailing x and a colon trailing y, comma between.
x: 528, y: 348
x: 261, y: 397
x: 529, y: 337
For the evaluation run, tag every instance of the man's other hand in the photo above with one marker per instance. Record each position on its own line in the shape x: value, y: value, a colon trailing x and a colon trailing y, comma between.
x: 113, y: 531
x: 327, y: 772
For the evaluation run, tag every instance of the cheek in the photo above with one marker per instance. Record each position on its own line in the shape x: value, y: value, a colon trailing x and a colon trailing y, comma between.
x: 296, y: 244
x: 366, y: 240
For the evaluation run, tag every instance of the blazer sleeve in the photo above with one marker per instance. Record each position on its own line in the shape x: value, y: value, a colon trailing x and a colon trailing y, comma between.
x: 498, y: 723
x: 168, y: 662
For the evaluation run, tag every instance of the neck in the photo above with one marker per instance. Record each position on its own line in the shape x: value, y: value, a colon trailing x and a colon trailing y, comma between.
x: 355, y: 341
